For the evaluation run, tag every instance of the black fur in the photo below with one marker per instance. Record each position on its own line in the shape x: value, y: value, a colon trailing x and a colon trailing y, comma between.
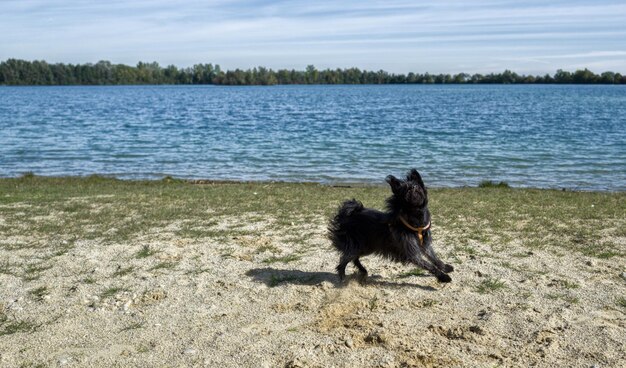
x: 356, y: 231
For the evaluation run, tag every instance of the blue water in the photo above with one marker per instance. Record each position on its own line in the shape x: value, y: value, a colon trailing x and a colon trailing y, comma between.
x: 529, y: 136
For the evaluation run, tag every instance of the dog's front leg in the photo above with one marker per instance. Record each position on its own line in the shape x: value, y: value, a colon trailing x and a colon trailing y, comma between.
x: 432, y: 256
x: 441, y: 276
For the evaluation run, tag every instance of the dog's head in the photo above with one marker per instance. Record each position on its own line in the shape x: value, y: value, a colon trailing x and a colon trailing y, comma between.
x: 410, y: 192
x: 410, y: 202
x: 410, y: 198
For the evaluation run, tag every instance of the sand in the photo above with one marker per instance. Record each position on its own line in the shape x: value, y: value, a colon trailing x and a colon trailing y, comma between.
x: 227, y: 303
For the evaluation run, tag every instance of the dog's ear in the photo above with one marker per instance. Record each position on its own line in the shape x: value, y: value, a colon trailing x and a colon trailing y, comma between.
x: 394, y: 182
x: 416, y: 177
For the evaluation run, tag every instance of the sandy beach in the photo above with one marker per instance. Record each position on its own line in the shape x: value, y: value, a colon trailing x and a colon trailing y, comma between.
x: 87, y: 281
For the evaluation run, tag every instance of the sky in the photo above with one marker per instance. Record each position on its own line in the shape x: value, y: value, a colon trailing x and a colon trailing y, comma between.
x: 528, y: 37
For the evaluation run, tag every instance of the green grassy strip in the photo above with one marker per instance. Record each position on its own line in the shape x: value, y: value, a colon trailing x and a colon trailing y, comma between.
x: 63, y: 210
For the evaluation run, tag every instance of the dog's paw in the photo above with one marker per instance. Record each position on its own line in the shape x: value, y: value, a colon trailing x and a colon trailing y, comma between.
x: 444, y: 278
x: 363, y: 279
x: 448, y: 268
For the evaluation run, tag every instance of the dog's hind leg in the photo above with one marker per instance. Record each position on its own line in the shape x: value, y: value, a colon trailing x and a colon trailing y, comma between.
x: 341, y: 267
x: 432, y: 256
x: 362, y: 271
x: 359, y: 265
x: 442, y: 277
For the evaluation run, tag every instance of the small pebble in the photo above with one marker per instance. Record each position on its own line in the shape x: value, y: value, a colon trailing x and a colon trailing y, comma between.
x: 190, y: 351
x: 325, y: 285
x: 64, y: 360
x: 349, y: 343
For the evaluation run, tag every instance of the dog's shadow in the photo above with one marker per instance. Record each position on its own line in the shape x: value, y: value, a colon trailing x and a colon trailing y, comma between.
x: 274, y: 277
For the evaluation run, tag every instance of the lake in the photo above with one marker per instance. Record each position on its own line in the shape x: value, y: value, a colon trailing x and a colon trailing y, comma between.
x: 548, y: 136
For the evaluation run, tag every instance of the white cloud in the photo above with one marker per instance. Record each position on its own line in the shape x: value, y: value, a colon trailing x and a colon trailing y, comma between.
x: 398, y: 36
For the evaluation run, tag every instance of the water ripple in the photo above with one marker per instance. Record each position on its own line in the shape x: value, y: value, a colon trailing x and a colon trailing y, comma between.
x: 532, y: 136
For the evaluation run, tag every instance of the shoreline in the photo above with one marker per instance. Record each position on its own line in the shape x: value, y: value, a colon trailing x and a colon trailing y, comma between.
x: 426, y: 85
x: 334, y: 184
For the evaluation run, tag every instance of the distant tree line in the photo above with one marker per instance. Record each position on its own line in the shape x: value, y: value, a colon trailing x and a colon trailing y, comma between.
x: 22, y: 72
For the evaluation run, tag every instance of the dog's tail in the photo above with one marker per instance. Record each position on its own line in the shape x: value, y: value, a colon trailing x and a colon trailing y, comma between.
x: 337, y: 229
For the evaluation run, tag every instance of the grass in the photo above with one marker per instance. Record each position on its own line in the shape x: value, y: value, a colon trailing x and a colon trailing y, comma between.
x: 267, y: 248
x: 112, y: 291
x: 6, y: 268
x: 33, y: 272
x: 602, y: 254
x: 490, y: 285
x: 145, y: 252
x: 117, y: 211
x: 465, y: 249
x: 493, y: 184
x: 565, y: 284
x: 165, y: 265
x: 123, y: 271
x: 570, y: 299
x: 89, y: 280
x: 10, y: 328
x: 39, y: 293
x: 621, y: 302
x: 283, y: 259
x: 143, y: 349
x: 413, y: 272
x: 373, y: 304
x: 567, y: 298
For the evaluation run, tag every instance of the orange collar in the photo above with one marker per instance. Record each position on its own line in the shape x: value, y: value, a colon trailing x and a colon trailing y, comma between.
x: 418, y: 230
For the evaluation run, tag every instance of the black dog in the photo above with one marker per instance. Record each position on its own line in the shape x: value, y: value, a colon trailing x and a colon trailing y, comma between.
x: 401, y: 234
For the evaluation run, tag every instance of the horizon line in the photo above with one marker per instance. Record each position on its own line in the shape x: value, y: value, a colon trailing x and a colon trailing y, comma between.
x: 269, y: 68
